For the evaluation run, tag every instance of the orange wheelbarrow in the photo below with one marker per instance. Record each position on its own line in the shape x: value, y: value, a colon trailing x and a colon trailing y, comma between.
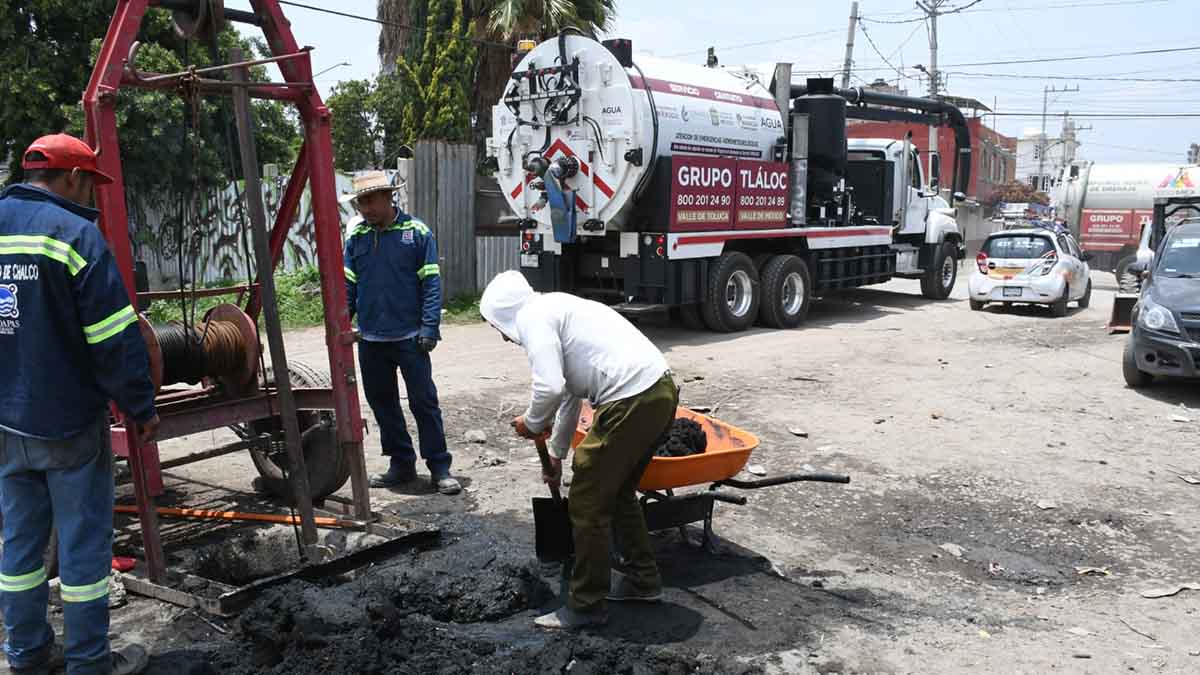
x: 728, y: 450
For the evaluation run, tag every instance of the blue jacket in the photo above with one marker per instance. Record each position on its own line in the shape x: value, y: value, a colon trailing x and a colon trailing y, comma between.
x: 393, y: 282
x: 69, y: 339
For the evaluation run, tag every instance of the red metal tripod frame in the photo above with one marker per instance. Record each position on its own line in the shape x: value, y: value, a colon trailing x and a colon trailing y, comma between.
x: 314, y: 165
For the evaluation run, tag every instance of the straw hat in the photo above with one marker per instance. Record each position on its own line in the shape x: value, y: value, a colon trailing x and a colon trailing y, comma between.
x: 365, y: 183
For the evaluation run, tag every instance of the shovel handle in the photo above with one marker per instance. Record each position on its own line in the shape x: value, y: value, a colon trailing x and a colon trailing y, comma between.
x: 544, y: 455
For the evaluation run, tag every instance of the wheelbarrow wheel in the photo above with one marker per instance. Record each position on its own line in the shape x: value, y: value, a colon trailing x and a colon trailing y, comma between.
x: 328, y: 468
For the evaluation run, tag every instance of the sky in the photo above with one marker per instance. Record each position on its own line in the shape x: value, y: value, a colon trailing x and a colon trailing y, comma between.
x: 811, y: 34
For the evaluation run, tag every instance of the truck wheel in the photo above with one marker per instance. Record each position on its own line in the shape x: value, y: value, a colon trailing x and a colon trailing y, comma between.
x: 786, y: 291
x: 1123, y: 266
x: 942, y: 273
x: 1087, y: 296
x: 328, y: 468
x: 1135, y: 378
x: 732, y: 298
x: 1059, y: 308
x: 689, y: 316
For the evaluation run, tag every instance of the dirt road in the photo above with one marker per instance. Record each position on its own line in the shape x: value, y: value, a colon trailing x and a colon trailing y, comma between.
x: 995, y: 457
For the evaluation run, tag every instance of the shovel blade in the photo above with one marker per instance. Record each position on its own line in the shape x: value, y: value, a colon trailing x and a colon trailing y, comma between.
x: 554, y: 539
x: 1121, y: 319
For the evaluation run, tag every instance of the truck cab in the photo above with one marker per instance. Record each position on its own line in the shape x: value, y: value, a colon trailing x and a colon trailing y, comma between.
x: 890, y: 187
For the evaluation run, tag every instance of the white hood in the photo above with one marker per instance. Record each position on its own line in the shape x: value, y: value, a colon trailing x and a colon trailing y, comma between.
x: 503, y: 299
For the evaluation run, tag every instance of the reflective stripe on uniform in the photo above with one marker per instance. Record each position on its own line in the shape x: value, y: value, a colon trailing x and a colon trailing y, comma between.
x: 86, y: 593
x: 23, y: 582
x: 39, y: 245
x: 350, y: 275
x: 115, y: 323
x: 406, y: 225
x: 428, y: 271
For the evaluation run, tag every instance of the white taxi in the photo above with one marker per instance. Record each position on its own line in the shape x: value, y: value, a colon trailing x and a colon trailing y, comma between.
x: 1031, y: 266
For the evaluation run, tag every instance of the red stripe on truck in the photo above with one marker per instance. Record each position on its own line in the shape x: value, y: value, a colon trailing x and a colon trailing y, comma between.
x: 705, y: 93
x: 790, y: 232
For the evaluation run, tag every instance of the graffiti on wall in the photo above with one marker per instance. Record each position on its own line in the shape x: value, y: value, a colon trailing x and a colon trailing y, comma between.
x: 208, y: 241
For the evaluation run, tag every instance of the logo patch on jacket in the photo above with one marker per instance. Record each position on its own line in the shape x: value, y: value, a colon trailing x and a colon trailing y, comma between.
x: 8, y: 302
x: 407, y: 237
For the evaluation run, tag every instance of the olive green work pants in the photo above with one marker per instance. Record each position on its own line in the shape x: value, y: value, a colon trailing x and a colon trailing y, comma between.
x: 608, y: 465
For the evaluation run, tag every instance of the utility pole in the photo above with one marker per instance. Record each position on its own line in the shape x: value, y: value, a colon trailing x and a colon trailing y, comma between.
x: 1046, y: 91
x: 850, y: 45
x: 933, y: 9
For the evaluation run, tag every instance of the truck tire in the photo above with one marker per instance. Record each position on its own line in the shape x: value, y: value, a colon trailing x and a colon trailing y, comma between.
x: 328, y: 468
x: 732, y: 297
x: 1058, y: 308
x: 689, y: 316
x: 1134, y: 378
x: 938, y: 280
x: 1087, y: 296
x: 786, y: 292
x: 1123, y: 266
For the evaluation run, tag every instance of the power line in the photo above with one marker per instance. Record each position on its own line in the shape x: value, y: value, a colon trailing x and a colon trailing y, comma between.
x: 395, y: 24
x: 877, y: 50
x: 1147, y: 151
x: 1057, y: 59
x: 1039, y: 8
x: 1084, y: 78
x: 755, y: 44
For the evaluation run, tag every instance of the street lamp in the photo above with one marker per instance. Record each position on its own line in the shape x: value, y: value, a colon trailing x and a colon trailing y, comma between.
x: 336, y: 65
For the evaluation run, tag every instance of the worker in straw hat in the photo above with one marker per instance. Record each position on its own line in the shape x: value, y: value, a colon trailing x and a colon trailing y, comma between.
x: 582, y: 350
x: 71, y: 343
x: 393, y: 285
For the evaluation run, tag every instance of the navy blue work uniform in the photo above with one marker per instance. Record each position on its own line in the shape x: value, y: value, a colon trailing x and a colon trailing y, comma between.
x: 69, y: 343
x: 393, y: 285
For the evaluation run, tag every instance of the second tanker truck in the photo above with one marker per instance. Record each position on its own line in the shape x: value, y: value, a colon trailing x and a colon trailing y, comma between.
x: 1106, y: 205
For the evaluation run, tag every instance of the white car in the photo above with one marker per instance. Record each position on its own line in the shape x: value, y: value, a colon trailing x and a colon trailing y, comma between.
x: 1030, y: 266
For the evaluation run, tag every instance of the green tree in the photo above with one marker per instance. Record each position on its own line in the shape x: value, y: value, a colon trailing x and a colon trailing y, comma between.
x: 495, y: 24
x: 503, y: 22
x: 435, y: 102
x: 49, y: 48
x: 356, y: 125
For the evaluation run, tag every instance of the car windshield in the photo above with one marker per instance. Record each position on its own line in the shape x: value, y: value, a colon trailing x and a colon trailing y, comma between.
x: 1018, y: 246
x: 1181, y: 255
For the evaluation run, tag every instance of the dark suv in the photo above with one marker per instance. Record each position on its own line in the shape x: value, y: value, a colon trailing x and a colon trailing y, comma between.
x: 1166, y: 320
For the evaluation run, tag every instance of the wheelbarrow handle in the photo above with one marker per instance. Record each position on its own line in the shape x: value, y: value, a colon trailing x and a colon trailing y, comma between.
x: 820, y: 477
x: 544, y: 456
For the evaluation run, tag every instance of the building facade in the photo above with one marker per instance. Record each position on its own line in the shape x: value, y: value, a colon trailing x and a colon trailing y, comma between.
x: 993, y: 155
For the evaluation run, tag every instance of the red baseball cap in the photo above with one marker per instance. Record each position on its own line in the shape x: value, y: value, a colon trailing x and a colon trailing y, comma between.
x: 63, y: 151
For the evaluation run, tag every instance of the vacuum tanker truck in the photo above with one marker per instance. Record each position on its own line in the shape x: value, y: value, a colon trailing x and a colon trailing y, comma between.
x: 653, y: 185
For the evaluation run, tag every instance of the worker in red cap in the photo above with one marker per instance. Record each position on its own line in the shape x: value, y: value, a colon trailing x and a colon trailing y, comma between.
x: 70, y: 344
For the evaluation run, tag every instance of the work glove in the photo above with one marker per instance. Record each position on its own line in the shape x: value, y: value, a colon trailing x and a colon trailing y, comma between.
x: 426, y: 344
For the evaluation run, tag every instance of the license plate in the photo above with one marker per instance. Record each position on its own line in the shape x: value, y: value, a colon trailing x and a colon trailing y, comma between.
x: 1012, y: 291
x: 529, y: 260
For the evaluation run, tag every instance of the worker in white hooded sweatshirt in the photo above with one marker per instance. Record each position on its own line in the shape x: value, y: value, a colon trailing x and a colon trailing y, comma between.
x: 582, y: 350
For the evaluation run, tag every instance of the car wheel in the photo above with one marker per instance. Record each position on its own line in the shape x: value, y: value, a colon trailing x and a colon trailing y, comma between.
x: 1059, y: 307
x: 977, y: 305
x: 939, y: 279
x: 1087, y: 296
x: 1134, y: 377
x: 786, y: 293
x: 732, y: 299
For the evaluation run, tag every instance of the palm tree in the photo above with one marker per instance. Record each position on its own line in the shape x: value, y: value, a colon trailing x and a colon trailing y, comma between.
x: 498, y: 24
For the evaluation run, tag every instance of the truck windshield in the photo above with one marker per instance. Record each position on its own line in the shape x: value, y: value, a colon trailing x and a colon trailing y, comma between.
x: 1181, y: 255
x: 1018, y: 246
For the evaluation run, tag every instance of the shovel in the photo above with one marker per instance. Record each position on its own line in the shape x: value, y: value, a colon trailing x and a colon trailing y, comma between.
x: 552, y: 525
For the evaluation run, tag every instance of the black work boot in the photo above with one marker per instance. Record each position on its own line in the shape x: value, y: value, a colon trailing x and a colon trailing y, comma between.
x: 395, y: 476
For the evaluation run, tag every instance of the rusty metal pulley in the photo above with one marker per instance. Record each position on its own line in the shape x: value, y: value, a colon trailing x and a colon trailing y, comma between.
x: 203, y: 19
